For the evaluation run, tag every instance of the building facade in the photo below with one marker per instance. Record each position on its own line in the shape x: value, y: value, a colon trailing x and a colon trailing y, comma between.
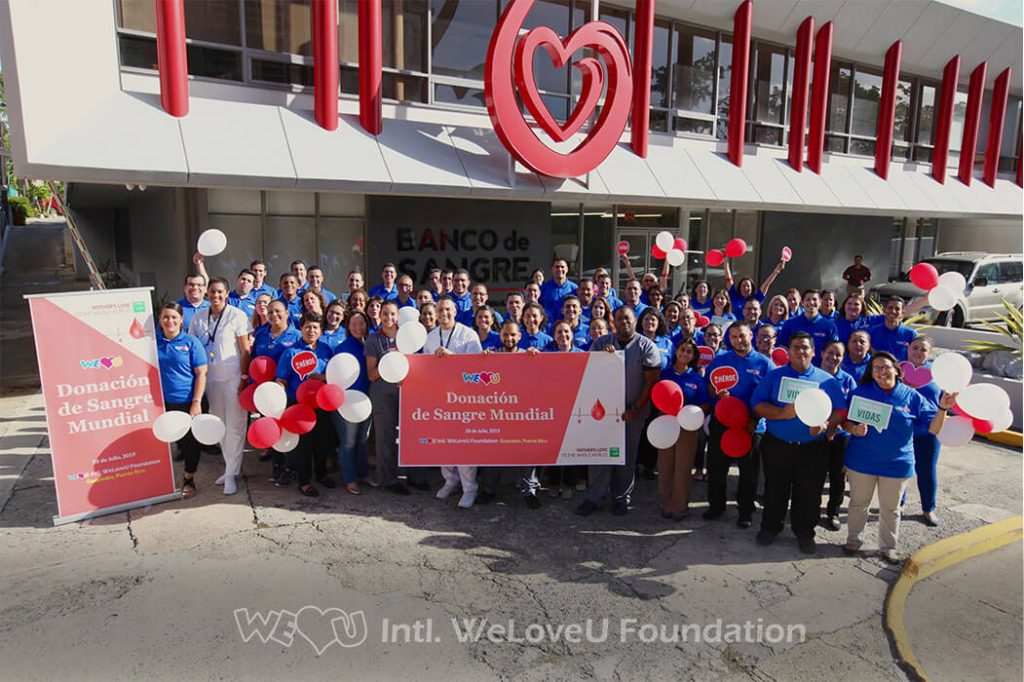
x: 252, y: 153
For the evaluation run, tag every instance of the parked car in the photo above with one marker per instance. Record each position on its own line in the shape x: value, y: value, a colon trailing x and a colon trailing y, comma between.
x: 990, y: 278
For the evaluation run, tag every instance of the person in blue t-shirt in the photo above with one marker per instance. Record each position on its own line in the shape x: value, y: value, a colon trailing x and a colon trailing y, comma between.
x: 603, y: 283
x: 892, y: 335
x: 386, y: 291
x: 853, y: 316
x: 687, y: 328
x: 460, y: 291
x: 751, y: 312
x: 828, y: 305
x: 406, y: 298
x: 735, y: 373
x: 652, y: 325
x: 484, y: 325
x: 557, y: 288
x: 700, y: 297
x: 572, y: 313
x: 182, y: 361
x: 631, y: 297
x: 334, y: 324
x: 881, y: 456
x: 258, y: 268
x: 858, y: 354
x: 810, y: 322
x: 744, y: 290
x: 194, y: 299
x: 478, y: 297
x: 311, y: 452
x: 353, y: 451
x: 242, y: 296
x: 721, y: 312
x: 832, y: 362
x: 291, y: 297
x: 926, y: 445
x: 675, y: 464
x: 534, y: 320
x: 315, y: 282
x: 795, y: 456
x: 277, y: 336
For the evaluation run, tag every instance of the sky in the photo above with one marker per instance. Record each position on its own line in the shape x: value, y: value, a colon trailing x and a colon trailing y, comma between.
x: 1005, y: 10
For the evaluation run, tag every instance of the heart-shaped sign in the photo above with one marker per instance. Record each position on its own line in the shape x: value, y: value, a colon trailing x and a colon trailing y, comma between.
x: 702, y: 322
x: 915, y: 377
x: 485, y: 378
x: 107, y: 362
x: 724, y: 378
x: 304, y: 363
x: 593, y: 81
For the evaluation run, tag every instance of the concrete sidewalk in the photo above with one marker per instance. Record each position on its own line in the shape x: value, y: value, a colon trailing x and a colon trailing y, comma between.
x: 173, y: 591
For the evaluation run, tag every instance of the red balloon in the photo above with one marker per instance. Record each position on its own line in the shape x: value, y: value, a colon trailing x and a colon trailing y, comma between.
x: 658, y: 253
x: 680, y: 244
x: 262, y: 369
x: 298, y: 419
x: 264, y: 432
x: 924, y: 276
x: 736, y: 442
x: 667, y: 396
x: 732, y: 412
x: 330, y: 397
x: 780, y: 356
x: 702, y: 322
x: 245, y: 398
x: 306, y: 393
x: 714, y: 257
x: 735, y: 248
x: 982, y: 425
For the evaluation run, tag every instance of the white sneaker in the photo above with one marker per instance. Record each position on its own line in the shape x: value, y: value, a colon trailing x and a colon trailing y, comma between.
x: 220, y: 480
x: 230, y: 487
x: 467, y: 500
x: 447, y: 489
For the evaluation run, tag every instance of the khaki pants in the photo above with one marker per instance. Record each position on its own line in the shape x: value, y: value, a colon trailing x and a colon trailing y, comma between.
x: 850, y: 290
x: 675, y: 467
x: 890, y: 492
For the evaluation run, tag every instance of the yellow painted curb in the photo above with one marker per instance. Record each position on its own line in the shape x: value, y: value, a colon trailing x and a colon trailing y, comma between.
x: 931, y: 559
x: 1011, y: 438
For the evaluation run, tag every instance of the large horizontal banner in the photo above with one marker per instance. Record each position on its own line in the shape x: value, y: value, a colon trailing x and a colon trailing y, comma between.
x: 101, y: 387
x: 513, y: 409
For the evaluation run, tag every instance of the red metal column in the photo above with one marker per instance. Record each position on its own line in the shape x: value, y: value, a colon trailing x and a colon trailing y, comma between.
x: 996, y: 119
x: 975, y: 91
x: 171, y: 56
x: 944, y: 119
x: 801, y: 86
x: 738, y: 86
x: 642, y: 51
x: 819, y: 97
x: 887, y: 109
x: 325, y: 63
x: 371, y: 61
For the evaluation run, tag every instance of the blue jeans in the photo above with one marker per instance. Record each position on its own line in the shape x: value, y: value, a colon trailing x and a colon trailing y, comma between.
x: 353, y: 454
x: 926, y: 464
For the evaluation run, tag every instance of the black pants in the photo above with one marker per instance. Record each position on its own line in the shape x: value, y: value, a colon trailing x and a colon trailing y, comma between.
x: 565, y: 475
x: 797, y: 471
x: 647, y: 454
x: 718, y: 474
x: 311, y: 452
x: 188, y: 445
x: 836, y: 475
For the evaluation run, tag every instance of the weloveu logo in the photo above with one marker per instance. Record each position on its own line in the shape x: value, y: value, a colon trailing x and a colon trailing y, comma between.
x: 484, y: 378
x: 104, y: 363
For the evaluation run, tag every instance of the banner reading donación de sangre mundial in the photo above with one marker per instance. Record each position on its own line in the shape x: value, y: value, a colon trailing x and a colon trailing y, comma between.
x: 101, y: 387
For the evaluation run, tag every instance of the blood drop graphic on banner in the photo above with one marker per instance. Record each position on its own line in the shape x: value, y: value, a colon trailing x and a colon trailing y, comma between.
x: 724, y: 378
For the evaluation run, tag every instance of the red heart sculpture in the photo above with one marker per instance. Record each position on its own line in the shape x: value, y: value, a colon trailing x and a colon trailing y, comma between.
x: 509, y: 122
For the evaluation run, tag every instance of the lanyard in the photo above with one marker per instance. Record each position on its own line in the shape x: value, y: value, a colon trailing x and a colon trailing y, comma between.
x: 440, y: 337
x: 211, y: 334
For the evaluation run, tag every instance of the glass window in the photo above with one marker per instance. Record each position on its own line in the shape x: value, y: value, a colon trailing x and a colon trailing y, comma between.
x: 1011, y: 128
x: 213, y: 22
x: 282, y: 72
x: 246, y: 201
x: 956, y: 128
x: 343, y: 205
x: 768, y: 135
x: 340, y: 250
x: 901, y: 126
x: 137, y: 52
x: 288, y: 238
x: 692, y: 126
x: 555, y: 15
x: 598, y: 238
x: 659, y: 121
x: 1011, y: 272
x: 693, y: 71
x: 724, y: 80
x: 456, y: 94
x: 211, y: 63
x: 291, y: 203
x: 926, y: 115
x: 769, y: 84
x: 867, y: 93
x: 839, y: 101
x: 244, y: 243
x: 461, y: 32
x: 659, y: 64
x: 404, y: 34
x: 862, y: 147
x: 279, y: 26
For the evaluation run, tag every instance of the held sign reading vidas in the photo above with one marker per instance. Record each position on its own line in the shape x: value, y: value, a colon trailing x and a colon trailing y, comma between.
x: 509, y: 69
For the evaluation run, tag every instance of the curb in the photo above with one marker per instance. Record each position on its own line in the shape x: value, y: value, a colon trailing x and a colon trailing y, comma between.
x: 932, y: 559
x: 1011, y: 438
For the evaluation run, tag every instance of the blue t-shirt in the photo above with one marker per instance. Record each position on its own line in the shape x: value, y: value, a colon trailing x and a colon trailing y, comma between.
x: 702, y: 308
x: 751, y: 370
x: 844, y: 327
x: 294, y: 309
x: 638, y: 309
x: 383, y: 293
x: 821, y: 329
x: 332, y: 339
x: 285, y: 370
x: 551, y: 296
x: 845, y: 383
x: 895, y: 341
x: 855, y: 369
x: 264, y: 343
x: 727, y: 342
x: 357, y: 349
x: 695, y: 388
x: 552, y: 348
x: 793, y: 430
x: 466, y: 317
x: 265, y: 289
x: 666, y: 348
x: 188, y: 311
x: 891, y: 452
x: 737, y: 301
x: 247, y: 303
x: 493, y: 341
x: 177, y: 358
x: 409, y: 303
x: 677, y: 336
x: 540, y: 340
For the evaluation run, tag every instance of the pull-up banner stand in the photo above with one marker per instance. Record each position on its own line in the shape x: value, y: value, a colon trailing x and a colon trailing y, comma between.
x: 101, y: 386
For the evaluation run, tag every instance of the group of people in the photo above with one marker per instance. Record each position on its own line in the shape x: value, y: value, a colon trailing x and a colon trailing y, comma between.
x: 208, y: 338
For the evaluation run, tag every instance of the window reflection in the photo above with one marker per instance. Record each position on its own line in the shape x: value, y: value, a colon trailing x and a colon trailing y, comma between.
x: 867, y: 93
x: 461, y: 31
x: 279, y: 26
x: 770, y: 75
x: 693, y: 73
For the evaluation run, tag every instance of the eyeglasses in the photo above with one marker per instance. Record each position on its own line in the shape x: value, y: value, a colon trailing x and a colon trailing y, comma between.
x: 877, y: 369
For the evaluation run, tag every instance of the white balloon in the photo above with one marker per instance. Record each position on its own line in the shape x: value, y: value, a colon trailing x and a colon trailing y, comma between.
x: 411, y: 337
x: 270, y: 399
x: 941, y: 298
x: 953, y: 281
x: 1002, y: 422
x: 676, y: 258
x: 952, y: 372
x: 357, y: 406
x: 956, y: 432
x: 343, y: 370
x: 408, y: 314
x: 208, y: 429
x: 211, y: 242
x: 171, y: 426
x: 393, y: 367
x: 663, y: 431
x: 690, y: 418
x: 984, y: 401
x: 813, y: 407
x: 665, y: 241
x: 287, y: 442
